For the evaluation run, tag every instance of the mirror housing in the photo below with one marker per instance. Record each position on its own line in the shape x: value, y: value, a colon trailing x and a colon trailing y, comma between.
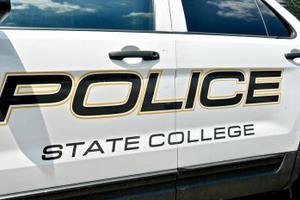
x: 5, y: 7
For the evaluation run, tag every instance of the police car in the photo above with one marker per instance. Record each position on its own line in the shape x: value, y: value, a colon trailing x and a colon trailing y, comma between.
x: 148, y: 99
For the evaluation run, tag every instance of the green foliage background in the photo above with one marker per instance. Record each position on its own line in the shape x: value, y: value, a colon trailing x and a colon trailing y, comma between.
x: 292, y: 5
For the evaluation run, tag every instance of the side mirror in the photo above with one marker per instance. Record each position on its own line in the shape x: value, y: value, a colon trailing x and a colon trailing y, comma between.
x: 5, y: 8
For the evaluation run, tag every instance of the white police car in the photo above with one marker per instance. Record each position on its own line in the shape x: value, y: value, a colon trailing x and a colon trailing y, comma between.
x: 148, y: 99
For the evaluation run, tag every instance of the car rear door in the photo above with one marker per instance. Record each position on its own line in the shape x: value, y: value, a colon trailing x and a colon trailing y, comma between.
x: 240, y: 92
x: 72, y: 111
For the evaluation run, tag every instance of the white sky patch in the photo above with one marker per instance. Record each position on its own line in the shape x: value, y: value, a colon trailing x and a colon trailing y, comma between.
x: 138, y: 14
x: 234, y: 9
x: 49, y: 5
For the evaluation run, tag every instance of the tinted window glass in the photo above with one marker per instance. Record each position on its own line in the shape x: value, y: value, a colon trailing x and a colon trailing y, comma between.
x: 85, y: 14
x: 275, y: 26
x: 224, y: 16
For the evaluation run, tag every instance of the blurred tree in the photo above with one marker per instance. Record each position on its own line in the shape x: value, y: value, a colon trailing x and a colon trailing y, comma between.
x: 292, y: 5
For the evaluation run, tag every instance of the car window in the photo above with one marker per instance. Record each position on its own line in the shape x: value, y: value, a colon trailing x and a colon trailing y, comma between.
x: 224, y: 17
x: 82, y: 14
x: 275, y: 26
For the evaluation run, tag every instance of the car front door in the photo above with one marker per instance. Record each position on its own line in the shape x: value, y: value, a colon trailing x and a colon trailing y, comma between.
x: 79, y: 94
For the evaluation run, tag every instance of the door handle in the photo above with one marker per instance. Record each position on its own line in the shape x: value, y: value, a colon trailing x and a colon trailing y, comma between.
x: 292, y: 56
x: 145, y: 55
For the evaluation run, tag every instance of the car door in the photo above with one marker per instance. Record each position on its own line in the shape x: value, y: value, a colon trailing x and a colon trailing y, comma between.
x: 74, y: 78
x: 239, y: 92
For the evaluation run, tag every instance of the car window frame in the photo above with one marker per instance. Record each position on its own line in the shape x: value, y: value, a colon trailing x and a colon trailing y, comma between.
x: 290, y: 28
x: 181, y: 26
